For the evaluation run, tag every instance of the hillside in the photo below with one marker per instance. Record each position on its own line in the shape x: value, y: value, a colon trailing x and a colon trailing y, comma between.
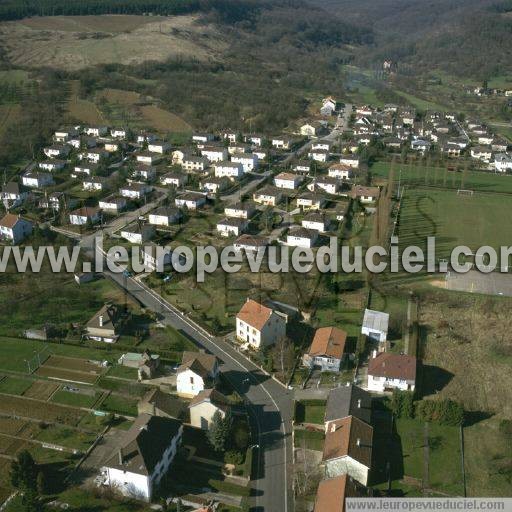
x: 464, y: 37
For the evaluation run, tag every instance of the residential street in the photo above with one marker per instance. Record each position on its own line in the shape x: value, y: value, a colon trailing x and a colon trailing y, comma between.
x: 270, y: 405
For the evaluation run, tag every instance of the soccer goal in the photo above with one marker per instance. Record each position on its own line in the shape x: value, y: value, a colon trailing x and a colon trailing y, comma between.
x: 465, y: 192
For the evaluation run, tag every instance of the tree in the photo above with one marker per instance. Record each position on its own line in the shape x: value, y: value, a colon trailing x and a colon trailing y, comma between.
x: 42, y: 483
x: 24, y: 472
x: 283, y: 355
x: 241, y: 435
x: 219, y: 431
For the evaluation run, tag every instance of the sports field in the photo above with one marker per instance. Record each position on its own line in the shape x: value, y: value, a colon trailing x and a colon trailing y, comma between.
x: 421, y: 175
x: 454, y: 219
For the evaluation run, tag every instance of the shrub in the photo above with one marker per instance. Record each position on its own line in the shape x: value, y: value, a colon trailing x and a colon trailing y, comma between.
x: 444, y: 412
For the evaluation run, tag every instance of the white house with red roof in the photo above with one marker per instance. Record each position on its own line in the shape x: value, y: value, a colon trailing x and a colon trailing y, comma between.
x: 14, y: 228
x: 388, y: 371
x: 259, y: 325
x: 327, y: 350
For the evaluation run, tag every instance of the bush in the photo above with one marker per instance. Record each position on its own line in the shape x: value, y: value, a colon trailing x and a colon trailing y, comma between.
x: 233, y: 457
x: 444, y: 412
x: 402, y: 404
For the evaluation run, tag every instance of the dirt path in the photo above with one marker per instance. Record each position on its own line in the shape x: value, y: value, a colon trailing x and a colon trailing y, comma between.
x: 426, y: 456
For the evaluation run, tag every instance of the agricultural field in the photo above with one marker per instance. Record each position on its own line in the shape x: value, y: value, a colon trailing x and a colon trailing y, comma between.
x: 70, y: 369
x: 76, y: 42
x: 41, y: 390
x: 454, y: 219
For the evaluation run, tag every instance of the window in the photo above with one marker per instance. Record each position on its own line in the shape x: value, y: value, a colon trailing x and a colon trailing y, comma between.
x: 191, y: 380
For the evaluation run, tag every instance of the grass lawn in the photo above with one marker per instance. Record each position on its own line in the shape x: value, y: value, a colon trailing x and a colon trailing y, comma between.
x: 14, y: 385
x: 454, y: 220
x: 75, y: 399
x: 309, y: 440
x: 15, y: 351
x: 67, y: 437
x: 119, y: 405
x: 310, y: 411
x: 421, y: 174
x: 124, y: 372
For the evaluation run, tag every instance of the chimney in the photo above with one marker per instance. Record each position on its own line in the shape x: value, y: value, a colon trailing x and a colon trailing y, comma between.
x: 120, y: 457
x: 358, y: 442
x: 359, y: 403
x: 100, y: 319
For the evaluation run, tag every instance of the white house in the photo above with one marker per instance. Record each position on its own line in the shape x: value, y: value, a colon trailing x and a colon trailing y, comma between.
x: 14, y: 228
x: 282, y: 142
x: 112, y: 203
x: 249, y: 161
x: 287, y: 180
x: 316, y: 221
x: 340, y: 171
x: 85, y: 168
x: 159, y: 147
x: 174, y: 179
x: 302, y: 166
x: 135, y: 190
x: 258, y: 325
x: 192, y: 200
x: 146, y: 137
x: 204, y: 405
x: 144, y: 172
x: 144, y: 456
x: 503, y: 162
x: 83, y: 215
x: 148, y: 158
x: 482, y: 153
x: 203, y: 137
x: 155, y: 257
x: 319, y: 155
x: 37, y: 179
x: 197, y: 372
x: 348, y: 449
x: 311, y: 201
x: 301, y: 237
x: 350, y: 160
x: 94, y: 183
x: 57, y: 151
x: 328, y: 106
x: 213, y: 185
x: 112, y: 146
x: 194, y: 163
x: 214, y: 153
x: 13, y: 194
x: 231, y: 226
x: 240, y: 210
x: 327, y: 349
x: 164, y: 216
x: 64, y: 134
x: 52, y: 165
x: 388, y: 371
x: 375, y: 325
x: 329, y: 185
x: 232, y: 170
x: 96, y: 131
x: 268, y: 196
x: 420, y: 145
x: 250, y: 243
x: 118, y: 133
x: 138, y: 233
x: 365, y: 194
x: 255, y: 139
x: 94, y: 155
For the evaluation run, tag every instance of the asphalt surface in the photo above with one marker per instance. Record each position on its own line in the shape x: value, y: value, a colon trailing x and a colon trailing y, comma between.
x: 270, y: 404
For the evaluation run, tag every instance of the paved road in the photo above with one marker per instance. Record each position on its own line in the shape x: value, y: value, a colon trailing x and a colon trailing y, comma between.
x: 269, y: 403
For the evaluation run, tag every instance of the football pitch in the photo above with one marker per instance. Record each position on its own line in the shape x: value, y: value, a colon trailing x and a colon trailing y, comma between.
x: 454, y: 219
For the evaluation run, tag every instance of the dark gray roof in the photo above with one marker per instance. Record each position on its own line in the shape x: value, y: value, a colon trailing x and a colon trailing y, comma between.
x: 143, y: 445
x: 348, y: 401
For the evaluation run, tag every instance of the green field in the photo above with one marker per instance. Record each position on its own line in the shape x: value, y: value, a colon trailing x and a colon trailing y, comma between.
x: 309, y: 440
x: 424, y: 175
x: 75, y: 399
x: 454, y: 220
x: 310, y: 411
